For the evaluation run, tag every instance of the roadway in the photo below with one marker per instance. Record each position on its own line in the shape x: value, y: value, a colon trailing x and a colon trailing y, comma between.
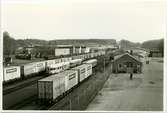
x: 143, y: 93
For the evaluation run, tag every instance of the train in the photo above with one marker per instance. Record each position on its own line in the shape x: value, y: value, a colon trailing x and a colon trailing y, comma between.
x: 54, y: 86
x: 12, y: 73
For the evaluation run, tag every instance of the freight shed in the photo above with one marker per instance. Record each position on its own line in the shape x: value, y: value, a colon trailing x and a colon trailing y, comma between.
x: 123, y: 63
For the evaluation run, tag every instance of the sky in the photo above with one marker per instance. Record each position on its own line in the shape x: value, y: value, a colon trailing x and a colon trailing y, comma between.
x: 133, y: 20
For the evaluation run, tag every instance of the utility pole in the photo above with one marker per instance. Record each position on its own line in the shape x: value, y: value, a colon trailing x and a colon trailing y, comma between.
x: 104, y: 65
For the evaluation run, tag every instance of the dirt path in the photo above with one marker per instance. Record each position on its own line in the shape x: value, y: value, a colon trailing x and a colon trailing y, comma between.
x: 143, y: 93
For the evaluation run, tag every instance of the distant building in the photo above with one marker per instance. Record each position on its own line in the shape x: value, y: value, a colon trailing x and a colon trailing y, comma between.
x: 70, y: 49
x: 125, y: 62
x: 140, y: 51
x: 63, y: 50
x: 155, y: 53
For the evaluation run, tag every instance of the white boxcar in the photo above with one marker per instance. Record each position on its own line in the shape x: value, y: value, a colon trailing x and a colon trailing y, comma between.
x: 92, y: 61
x: 71, y: 79
x: 53, y: 86
x: 88, y: 70
x: 28, y: 69
x: 81, y: 72
x: 10, y: 73
x: 40, y: 66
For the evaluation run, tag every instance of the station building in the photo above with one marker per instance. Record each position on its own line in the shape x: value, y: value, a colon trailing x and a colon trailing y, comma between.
x: 125, y: 62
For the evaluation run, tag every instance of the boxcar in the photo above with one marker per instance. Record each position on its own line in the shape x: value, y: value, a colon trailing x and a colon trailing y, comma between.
x: 53, y: 86
x: 11, y: 73
x: 88, y: 70
x: 28, y: 69
x: 40, y: 66
x: 81, y: 72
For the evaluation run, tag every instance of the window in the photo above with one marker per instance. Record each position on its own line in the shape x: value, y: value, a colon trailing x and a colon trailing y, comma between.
x: 129, y: 64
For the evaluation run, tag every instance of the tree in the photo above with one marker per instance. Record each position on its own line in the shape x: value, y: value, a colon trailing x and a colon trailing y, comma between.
x: 9, y: 44
x: 161, y: 46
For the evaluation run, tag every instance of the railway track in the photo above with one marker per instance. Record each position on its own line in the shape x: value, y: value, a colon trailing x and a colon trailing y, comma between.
x: 23, y: 103
x: 21, y: 85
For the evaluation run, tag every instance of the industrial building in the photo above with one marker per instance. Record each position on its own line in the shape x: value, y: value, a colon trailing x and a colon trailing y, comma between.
x: 70, y: 49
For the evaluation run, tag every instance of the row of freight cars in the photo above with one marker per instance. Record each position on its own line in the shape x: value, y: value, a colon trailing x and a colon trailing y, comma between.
x: 51, y: 66
x: 52, y: 87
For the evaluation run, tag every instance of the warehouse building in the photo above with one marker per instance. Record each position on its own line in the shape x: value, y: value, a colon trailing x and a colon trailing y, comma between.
x: 125, y: 62
x: 63, y: 50
x: 70, y: 49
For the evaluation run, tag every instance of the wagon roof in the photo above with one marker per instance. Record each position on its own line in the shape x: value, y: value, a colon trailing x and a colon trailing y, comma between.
x: 90, y: 61
x: 60, y: 64
x: 51, y: 78
x: 75, y: 60
x: 79, y: 67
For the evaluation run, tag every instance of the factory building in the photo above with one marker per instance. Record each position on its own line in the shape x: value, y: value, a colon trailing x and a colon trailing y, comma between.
x: 70, y: 49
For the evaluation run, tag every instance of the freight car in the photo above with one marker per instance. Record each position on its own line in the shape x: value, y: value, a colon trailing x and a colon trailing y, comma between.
x: 28, y: 70
x: 40, y: 67
x: 59, y: 67
x: 88, y: 70
x: 91, y: 61
x: 11, y: 73
x: 81, y: 72
x: 50, y: 88
x: 75, y: 62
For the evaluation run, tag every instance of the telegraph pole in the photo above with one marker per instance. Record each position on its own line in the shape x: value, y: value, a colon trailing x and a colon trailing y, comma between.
x: 104, y: 65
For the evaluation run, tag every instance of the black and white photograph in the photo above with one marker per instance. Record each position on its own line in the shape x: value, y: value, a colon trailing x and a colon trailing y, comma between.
x: 83, y: 55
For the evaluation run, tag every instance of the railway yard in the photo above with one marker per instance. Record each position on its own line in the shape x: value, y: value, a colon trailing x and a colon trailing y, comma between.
x: 83, y: 56
x: 80, y: 82
x: 24, y: 93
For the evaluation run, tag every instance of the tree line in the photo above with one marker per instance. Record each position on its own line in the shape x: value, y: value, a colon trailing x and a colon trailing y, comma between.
x: 10, y: 44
